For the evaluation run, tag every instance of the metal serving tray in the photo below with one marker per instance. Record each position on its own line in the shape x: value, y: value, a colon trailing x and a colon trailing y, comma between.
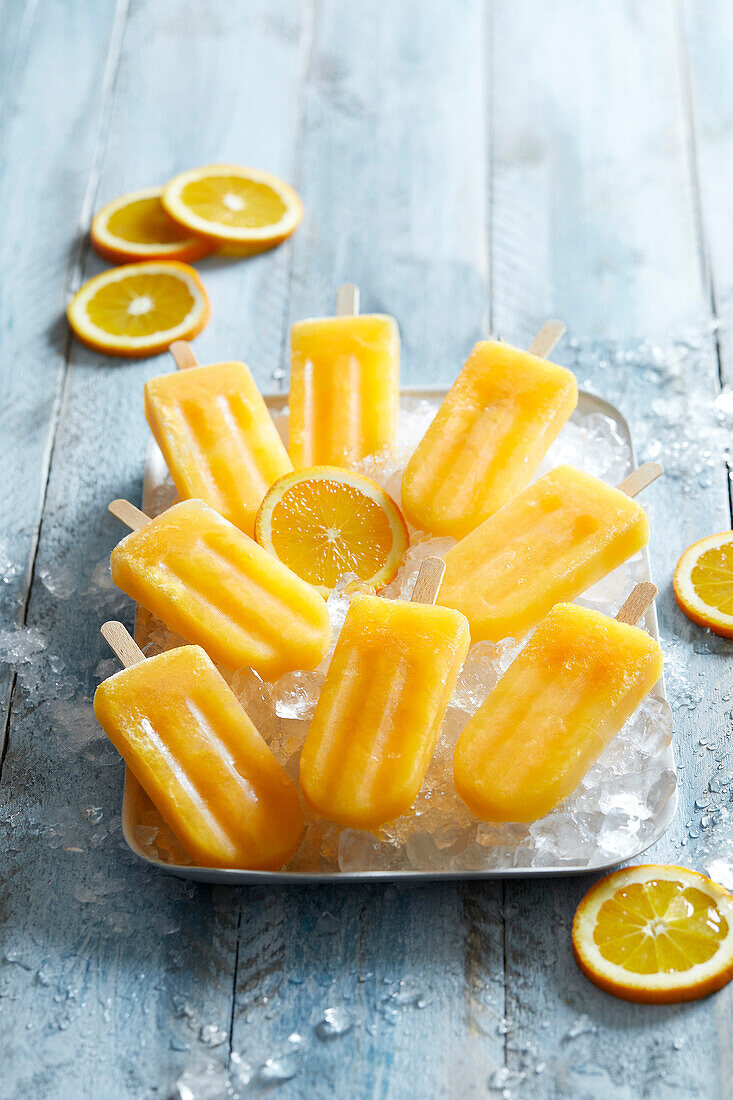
x: 138, y: 810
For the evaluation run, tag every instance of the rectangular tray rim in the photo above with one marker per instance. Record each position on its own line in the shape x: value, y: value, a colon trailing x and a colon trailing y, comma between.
x: 237, y: 877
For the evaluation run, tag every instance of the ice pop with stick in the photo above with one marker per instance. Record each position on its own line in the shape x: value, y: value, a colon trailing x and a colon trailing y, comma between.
x: 197, y: 755
x: 549, y: 544
x: 344, y: 385
x: 556, y: 708
x: 380, y: 711
x: 489, y: 435
x: 216, y: 435
x: 205, y: 579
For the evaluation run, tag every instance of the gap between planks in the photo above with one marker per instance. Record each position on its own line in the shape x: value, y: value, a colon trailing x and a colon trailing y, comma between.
x: 684, y: 65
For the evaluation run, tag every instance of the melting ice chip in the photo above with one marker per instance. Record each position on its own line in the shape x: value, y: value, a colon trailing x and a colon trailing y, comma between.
x: 721, y: 870
x: 336, y: 1021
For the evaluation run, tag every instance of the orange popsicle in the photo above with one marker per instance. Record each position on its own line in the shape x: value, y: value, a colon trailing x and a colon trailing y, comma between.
x: 344, y: 388
x: 550, y: 543
x: 217, y: 437
x: 554, y: 711
x: 381, y: 708
x: 487, y: 440
x: 205, y: 579
x: 195, y: 752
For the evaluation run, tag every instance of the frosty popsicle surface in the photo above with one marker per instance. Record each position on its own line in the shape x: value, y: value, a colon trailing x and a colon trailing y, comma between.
x: 195, y: 752
x: 487, y: 440
x: 205, y: 579
x: 557, y: 707
x: 217, y: 437
x: 381, y: 708
x: 344, y: 387
x: 551, y: 542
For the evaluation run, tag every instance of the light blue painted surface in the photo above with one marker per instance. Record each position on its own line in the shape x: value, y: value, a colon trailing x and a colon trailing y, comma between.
x: 467, y: 164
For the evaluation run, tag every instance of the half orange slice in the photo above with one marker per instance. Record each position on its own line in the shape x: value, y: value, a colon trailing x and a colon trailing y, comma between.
x: 655, y: 934
x: 136, y: 227
x: 703, y: 583
x: 139, y: 309
x: 241, y: 208
x: 324, y: 521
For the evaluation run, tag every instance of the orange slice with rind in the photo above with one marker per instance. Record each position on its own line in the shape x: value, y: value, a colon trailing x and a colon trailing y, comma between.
x: 703, y: 583
x: 238, y: 208
x: 139, y: 309
x: 655, y: 934
x: 325, y: 521
x: 135, y: 227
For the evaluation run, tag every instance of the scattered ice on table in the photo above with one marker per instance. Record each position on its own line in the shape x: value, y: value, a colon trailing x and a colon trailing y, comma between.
x: 583, y: 1025
x: 10, y: 567
x: 504, y: 1080
x: 334, y: 1023
x: 60, y: 581
x: 402, y: 995
x: 214, y: 1080
x: 281, y: 1067
x: 211, y: 1035
x: 721, y: 870
x: 613, y: 812
x: 21, y: 646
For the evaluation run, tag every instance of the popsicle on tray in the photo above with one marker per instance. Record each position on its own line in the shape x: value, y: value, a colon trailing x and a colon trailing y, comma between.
x: 195, y: 752
x: 380, y: 711
x: 556, y: 708
x: 217, y: 437
x: 205, y: 579
x: 344, y: 386
x: 489, y: 436
x: 553, y: 541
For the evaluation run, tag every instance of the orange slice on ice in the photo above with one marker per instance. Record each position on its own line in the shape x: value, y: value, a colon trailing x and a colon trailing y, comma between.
x: 703, y: 583
x: 655, y: 934
x: 324, y: 521
x: 139, y: 309
x: 136, y: 227
x: 242, y: 208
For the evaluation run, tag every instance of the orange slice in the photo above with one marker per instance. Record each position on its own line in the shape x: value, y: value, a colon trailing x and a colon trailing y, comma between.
x: 242, y: 208
x: 655, y: 934
x: 136, y: 227
x: 703, y: 583
x: 139, y: 309
x: 324, y: 521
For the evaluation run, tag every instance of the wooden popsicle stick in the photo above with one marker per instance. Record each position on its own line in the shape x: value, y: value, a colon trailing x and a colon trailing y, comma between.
x: 429, y: 580
x: 129, y: 514
x: 639, y: 479
x: 637, y: 604
x: 183, y: 354
x: 126, y: 650
x: 545, y: 340
x: 347, y: 300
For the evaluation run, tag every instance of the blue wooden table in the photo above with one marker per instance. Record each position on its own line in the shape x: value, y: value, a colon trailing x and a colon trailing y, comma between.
x: 475, y: 167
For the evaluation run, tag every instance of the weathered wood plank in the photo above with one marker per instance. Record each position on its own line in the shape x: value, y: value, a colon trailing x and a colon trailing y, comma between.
x: 394, y: 182
x: 595, y: 220
x: 32, y: 76
x: 150, y: 960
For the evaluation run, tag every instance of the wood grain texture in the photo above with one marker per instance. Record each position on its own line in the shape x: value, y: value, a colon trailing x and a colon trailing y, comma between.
x: 473, y: 167
x: 123, y: 977
x: 36, y: 260
x: 393, y: 177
